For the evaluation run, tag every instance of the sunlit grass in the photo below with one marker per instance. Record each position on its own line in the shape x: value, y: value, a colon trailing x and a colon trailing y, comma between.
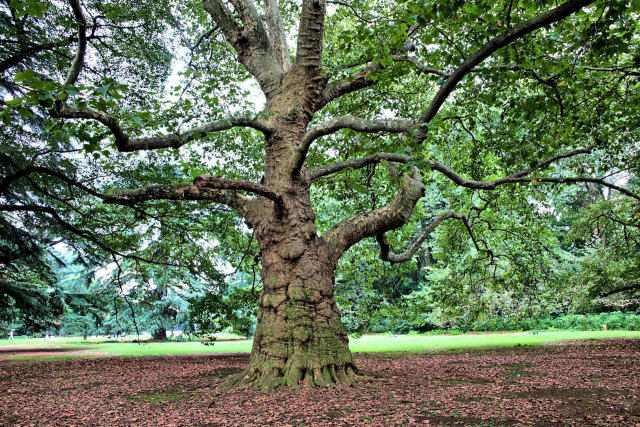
x: 388, y: 343
x: 365, y: 344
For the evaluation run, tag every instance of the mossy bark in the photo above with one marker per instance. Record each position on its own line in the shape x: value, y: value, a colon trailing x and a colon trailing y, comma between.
x: 299, y: 338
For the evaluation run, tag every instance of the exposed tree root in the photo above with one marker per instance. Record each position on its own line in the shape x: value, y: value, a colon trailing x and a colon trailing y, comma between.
x: 265, y: 378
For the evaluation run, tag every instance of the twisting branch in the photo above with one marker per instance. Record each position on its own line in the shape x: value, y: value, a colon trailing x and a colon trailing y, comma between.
x: 78, y: 61
x: 346, y: 122
x: 504, y: 39
x: 125, y: 143
x: 203, y: 189
x: 178, y: 192
x: 517, y: 177
x: 346, y: 233
x: 387, y: 253
x: 321, y: 171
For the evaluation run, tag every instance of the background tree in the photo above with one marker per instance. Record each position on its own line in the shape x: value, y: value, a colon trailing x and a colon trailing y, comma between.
x: 478, y: 97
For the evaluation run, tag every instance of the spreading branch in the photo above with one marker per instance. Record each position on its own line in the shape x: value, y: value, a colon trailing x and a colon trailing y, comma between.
x: 517, y: 177
x: 178, y: 192
x: 348, y: 232
x: 125, y: 143
x: 388, y: 254
x: 504, y: 39
x: 346, y: 122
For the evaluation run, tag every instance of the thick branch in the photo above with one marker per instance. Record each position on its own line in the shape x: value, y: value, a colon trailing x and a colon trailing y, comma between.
x: 492, y: 46
x: 348, y: 232
x: 250, y: 40
x: 387, y: 253
x: 208, y: 182
x: 347, y: 122
x: 310, y: 34
x: 125, y: 143
x: 178, y: 192
x: 78, y: 61
x: 276, y: 33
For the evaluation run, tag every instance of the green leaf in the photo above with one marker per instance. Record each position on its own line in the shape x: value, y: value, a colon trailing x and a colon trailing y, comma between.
x: 103, y: 89
x: 25, y: 75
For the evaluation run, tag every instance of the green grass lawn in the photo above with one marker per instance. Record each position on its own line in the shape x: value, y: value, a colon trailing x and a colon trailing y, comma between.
x: 366, y: 344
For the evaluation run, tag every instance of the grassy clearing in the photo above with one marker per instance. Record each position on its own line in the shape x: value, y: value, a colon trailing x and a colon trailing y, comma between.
x: 365, y: 344
x: 389, y: 343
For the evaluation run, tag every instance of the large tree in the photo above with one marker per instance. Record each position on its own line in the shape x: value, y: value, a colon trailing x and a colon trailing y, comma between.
x: 502, y: 91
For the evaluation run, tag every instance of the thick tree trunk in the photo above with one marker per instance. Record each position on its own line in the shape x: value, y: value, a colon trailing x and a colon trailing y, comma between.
x: 299, y: 336
x: 159, y: 334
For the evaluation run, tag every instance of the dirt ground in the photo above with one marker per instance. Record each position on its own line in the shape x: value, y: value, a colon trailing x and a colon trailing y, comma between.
x: 582, y: 383
x: 22, y: 351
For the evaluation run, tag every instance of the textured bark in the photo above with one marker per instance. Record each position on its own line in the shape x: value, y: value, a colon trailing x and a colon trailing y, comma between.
x: 299, y: 337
